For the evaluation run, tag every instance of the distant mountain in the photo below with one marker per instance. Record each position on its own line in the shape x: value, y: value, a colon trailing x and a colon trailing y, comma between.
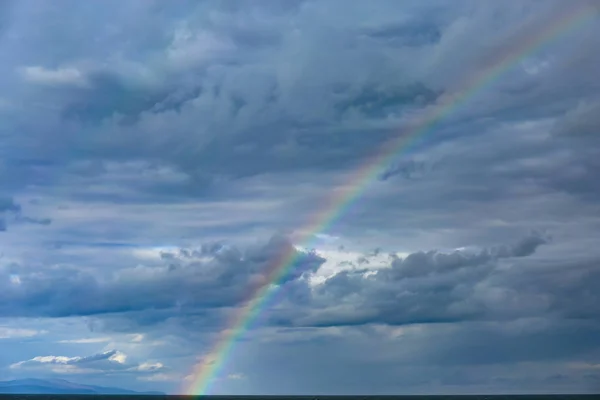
x: 59, y: 386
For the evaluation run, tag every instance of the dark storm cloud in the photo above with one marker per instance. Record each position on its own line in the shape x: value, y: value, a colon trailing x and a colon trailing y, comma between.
x: 578, y: 132
x: 125, y: 121
x: 433, y: 359
x: 185, y: 281
x: 141, y: 127
x: 184, y: 113
x: 227, y: 109
x: 423, y: 287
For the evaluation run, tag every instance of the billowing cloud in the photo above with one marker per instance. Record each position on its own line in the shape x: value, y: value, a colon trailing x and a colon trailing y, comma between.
x: 422, y: 287
x: 437, y: 287
x: 213, y: 275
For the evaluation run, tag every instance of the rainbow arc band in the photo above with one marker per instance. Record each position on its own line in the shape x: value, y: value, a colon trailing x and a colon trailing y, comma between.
x: 260, y: 296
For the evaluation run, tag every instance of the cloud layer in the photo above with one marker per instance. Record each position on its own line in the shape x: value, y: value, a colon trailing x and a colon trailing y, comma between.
x: 158, y: 158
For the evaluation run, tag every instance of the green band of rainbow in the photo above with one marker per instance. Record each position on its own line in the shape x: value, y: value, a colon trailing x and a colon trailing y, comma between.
x: 206, y: 371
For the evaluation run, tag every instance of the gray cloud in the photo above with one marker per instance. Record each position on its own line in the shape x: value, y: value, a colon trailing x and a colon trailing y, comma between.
x: 425, y: 287
x: 212, y: 276
x: 133, y: 132
x: 12, y: 211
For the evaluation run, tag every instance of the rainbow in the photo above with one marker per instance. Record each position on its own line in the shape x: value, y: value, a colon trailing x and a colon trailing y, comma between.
x: 206, y: 372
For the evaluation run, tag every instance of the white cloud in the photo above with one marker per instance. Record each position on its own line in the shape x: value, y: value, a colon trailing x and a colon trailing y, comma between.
x: 55, y: 359
x: 11, y: 333
x: 137, y: 337
x: 584, y: 366
x: 59, y: 76
x: 152, y: 253
x: 109, y: 361
x: 112, y: 356
x: 327, y: 238
x: 119, y: 358
x: 345, y: 259
x: 86, y: 340
x: 149, y: 366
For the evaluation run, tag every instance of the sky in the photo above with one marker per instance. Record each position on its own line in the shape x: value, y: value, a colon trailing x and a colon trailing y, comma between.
x: 156, y: 157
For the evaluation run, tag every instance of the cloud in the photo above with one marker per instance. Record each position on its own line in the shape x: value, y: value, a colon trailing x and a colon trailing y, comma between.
x: 190, y: 48
x: 7, y: 204
x: 409, y: 169
x: 145, y: 367
x: 581, y: 121
x: 209, y: 276
x: 423, y: 287
x: 112, y: 356
x: 111, y: 361
x: 424, y: 359
x: 150, y: 151
x: 159, y: 377
x: 12, y: 212
x: 86, y: 340
x: 10, y: 333
x: 59, y: 76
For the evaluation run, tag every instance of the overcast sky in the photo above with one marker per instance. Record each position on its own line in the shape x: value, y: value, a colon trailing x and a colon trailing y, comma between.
x: 156, y: 156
